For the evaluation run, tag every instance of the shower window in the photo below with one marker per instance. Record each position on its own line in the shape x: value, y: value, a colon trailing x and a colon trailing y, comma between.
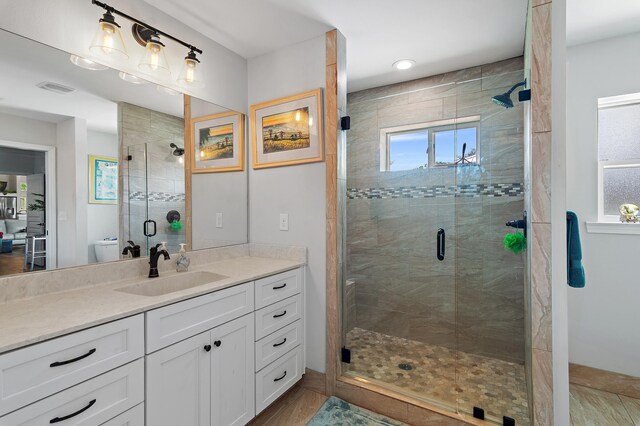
x: 618, y: 154
x: 444, y: 143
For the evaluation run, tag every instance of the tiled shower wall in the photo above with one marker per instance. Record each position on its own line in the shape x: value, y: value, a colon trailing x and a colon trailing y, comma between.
x: 474, y: 299
x: 162, y: 174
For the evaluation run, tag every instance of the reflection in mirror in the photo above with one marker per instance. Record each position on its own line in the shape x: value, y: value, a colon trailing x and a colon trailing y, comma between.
x: 219, y: 193
x: 88, y: 160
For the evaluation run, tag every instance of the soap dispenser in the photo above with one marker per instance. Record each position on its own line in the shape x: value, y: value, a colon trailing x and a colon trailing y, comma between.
x: 182, y: 264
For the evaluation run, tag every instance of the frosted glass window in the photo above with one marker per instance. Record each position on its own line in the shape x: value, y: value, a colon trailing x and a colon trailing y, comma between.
x: 619, y: 133
x: 620, y: 186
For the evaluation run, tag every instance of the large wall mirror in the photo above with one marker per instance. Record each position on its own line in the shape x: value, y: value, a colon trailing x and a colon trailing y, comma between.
x: 92, y: 159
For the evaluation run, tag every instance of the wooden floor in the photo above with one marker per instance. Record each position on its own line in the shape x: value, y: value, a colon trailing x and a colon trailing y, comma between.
x: 12, y: 263
x: 592, y: 407
x: 295, y: 408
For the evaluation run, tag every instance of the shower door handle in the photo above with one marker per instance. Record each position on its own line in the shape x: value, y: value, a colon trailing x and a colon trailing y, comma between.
x: 440, y: 244
x: 145, y: 228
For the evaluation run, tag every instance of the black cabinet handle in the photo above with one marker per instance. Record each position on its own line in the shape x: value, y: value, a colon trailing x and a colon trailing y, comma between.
x: 275, y: 345
x: 217, y: 343
x: 280, y: 315
x: 80, y: 411
x: 207, y: 348
x: 280, y: 286
x: 69, y: 361
x: 440, y: 244
x: 281, y: 377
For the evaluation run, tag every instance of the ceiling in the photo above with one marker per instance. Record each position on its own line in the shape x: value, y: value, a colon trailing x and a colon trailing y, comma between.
x: 25, y: 63
x: 591, y: 20
x: 440, y: 35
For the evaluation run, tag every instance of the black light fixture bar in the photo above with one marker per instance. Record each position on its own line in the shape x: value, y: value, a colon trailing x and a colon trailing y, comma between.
x: 113, y: 10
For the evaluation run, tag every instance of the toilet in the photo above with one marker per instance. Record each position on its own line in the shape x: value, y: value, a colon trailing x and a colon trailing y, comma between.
x: 107, y: 250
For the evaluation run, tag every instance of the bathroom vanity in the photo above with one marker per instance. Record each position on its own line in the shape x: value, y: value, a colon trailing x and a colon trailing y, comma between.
x: 213, y: 346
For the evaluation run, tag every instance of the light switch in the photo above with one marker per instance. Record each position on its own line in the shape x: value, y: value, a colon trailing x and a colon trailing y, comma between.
x: 218, y: 220
x: 284, y: 222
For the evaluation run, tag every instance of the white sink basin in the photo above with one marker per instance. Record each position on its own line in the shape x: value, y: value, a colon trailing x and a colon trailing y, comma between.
x: 170, y: 284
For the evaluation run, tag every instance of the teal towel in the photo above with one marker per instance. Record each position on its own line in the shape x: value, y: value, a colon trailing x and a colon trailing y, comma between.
x: 575, y: 270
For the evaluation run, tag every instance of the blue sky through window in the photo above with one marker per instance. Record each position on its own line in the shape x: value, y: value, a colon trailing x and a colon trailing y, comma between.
x: 408, y: 151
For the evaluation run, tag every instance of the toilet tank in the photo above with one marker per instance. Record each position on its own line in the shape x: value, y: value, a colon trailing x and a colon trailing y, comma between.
x: 107, y: 250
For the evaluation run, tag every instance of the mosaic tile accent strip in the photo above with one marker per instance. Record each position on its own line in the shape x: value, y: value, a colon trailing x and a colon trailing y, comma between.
x: 443, y: 376
x: 157, y: 196
x: 470, y: 190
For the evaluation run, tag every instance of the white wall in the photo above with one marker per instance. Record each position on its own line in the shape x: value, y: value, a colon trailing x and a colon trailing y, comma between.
x: 70, y: 25
x: 27, y: 130
x: 603, y: 316
x: 72, y: 192
x: 102, y: 219
x: 296, y: 190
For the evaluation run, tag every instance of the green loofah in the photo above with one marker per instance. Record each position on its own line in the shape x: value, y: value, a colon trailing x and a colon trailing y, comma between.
x: 176, y: 225
x: 515, y: 243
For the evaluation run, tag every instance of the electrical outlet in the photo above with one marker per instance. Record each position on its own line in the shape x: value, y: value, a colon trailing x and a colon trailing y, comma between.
x: 218, y: 220
x: 284, y: 222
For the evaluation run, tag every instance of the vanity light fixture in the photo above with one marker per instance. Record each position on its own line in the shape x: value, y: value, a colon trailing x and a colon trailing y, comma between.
x: 130, y: 78
x: 404, y: 64
x: 154, y: 59
x: 108, y: 40
x: 86, y: 63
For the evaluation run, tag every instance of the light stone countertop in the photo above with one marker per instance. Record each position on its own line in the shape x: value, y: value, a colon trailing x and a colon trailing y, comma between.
x: 27, y: 321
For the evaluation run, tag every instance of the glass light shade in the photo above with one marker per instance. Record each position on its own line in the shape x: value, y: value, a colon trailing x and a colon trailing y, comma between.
x: 130, y: 78
x: 190, y: 74
x: 86, y: 63
x: 167, y: 91
x: 154, y: 60
x: 108, y: 41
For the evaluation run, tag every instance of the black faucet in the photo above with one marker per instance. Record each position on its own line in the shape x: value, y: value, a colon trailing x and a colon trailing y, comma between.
x: 154, y: 255
x: 132, y: 248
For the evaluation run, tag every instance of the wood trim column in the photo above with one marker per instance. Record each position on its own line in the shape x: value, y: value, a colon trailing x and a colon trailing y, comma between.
x: 188, y: 154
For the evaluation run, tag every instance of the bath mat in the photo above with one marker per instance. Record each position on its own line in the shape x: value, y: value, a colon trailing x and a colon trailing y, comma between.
x: 336, y: 412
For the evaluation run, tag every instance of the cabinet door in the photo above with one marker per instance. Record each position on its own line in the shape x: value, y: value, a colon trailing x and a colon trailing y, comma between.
x: 178, y: 384
x: 232, y: 377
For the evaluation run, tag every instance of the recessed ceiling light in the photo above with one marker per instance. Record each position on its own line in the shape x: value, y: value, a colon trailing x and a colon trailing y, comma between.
x: 130, y: 78
x: 167, y: 91
x: 87, y: 64
x: 404, y: 64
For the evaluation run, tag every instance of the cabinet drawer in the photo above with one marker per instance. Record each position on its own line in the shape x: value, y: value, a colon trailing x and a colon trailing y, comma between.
x: 40, y: 370
x: 276, y: 344
x: 90, y: 403
x: 133, y: 417
x: 276, y: 316
x: 276, y: 378
x: 170, y: 324
x: 278, y: 287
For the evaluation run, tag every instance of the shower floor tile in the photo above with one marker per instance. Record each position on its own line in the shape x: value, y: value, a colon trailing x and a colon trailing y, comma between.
x: 453, y: 379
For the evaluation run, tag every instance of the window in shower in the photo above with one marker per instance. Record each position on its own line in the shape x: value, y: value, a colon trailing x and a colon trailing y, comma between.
x: 618, y: 154
x: 444, y: 143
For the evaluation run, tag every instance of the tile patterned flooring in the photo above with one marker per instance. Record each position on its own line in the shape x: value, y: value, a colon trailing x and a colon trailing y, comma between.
x: 453, y: 379
x: 592, y: 407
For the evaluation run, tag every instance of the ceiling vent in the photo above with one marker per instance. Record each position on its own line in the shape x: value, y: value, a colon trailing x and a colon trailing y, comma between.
x: 55, y: 87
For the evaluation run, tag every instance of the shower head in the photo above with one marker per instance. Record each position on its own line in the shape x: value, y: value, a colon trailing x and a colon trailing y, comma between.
x: 177, y: 151
x: 504, y: 99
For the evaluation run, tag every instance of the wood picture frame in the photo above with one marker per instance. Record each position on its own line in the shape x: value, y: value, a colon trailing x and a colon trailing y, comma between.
x: 217, y: 143
x: 287, y: 131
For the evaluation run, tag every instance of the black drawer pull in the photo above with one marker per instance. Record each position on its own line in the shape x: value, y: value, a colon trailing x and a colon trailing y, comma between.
x: 275, y: 345
x: 80, y: 411
x: 280, y: 286
x: 281, y: 377
x: 69, y: 361
x: 217, y: 343
x: 280, y: 315
x: 207, y: 348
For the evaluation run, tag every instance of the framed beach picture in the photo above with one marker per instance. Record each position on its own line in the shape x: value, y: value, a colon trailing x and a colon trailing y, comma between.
x: 103, y: 180
x: 287, y: 131
x: 218, y: 143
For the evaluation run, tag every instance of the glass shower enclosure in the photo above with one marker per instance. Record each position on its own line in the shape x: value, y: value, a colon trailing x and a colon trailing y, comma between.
x: 433, y: 305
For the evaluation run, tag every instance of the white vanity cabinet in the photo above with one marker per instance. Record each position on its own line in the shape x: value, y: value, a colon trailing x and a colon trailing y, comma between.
x: 204, y: 380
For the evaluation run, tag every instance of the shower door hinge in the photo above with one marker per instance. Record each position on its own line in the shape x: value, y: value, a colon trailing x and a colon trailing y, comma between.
x: 508, y: 421
x: 345, y: 355
x: 524, y: 95
x: 478, y: 413
x: 345, y: 122
x: 129, y: 157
